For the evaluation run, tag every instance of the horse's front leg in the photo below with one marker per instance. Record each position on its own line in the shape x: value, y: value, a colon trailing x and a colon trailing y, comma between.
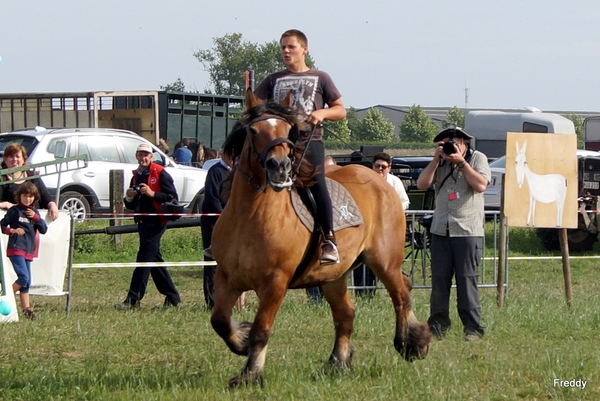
x: 342, y: 310
x: 270, y: 300
x: 235, y: 334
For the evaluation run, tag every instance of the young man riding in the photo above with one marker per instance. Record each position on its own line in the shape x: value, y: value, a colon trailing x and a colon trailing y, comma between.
x: 312, y: 90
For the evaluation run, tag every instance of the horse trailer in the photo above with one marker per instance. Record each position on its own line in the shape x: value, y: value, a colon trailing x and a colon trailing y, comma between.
x: 152, y: 114
x: 490, y: 127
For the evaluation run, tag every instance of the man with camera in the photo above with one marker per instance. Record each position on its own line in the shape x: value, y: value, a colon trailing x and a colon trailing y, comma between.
x: 460, y: 175
x: 150, y: 187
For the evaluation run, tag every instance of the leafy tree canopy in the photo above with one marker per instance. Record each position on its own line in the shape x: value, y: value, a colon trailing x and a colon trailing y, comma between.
x: 454, y: 117
x: 178, y: 86
x: 376, y: 128
x: 336, y: 130
x: 230, y: 57
x: 417, y: 126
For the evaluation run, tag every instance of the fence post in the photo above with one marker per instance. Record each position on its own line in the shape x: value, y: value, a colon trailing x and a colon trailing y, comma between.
x: 116, y: 181
x: 502, y: 253
x: 566, y: 265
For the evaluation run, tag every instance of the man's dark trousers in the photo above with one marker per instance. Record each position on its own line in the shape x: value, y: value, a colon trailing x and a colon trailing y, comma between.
x: 150, y: 232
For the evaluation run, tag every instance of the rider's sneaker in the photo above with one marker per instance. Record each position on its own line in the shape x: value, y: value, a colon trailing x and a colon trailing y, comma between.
x: 329, y: 253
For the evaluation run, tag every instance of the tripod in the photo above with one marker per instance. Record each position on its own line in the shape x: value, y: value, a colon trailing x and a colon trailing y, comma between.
x: 418, y: 237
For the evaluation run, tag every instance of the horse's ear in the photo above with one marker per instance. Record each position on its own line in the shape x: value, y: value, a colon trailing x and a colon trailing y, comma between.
x: 287, y: 101
x: 250, y: 100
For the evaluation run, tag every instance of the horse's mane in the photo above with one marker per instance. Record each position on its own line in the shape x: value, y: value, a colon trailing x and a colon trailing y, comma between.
x: 234, y: 142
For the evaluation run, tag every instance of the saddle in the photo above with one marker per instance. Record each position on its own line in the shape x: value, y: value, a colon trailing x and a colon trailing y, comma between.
x: 345, y: 211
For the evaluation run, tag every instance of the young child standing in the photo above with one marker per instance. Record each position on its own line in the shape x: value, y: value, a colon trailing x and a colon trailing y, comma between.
x: 21, y: 223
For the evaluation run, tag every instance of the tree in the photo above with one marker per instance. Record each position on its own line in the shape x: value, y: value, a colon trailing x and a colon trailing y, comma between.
x: 376, y: 128
x: 455, y: 117
x: 336, y: 130
x: 178, y: 86
x: 417, y: 126
x: 578, y: 122
x: 227, y: 62
x: 353, y: 123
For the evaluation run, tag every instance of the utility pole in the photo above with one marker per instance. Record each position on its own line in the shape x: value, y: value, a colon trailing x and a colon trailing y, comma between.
x: 466, y: 95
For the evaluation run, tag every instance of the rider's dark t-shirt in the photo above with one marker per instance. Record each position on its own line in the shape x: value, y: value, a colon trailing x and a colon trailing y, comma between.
x: 311, y: 90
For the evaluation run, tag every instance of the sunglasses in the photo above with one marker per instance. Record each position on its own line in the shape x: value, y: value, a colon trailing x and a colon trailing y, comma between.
x: 382, y: 166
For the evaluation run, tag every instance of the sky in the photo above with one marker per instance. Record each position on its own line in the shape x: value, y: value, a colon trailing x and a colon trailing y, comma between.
x: 502, y: 53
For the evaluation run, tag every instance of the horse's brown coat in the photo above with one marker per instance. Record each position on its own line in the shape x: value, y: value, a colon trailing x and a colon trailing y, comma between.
x: 259, y: 241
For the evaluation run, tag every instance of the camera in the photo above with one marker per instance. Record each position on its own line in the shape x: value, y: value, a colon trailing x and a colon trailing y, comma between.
x: 448, y: 147
x: 137, y: 189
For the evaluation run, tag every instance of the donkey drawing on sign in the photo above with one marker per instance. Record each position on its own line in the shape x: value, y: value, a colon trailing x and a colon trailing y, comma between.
x: 545, y: 188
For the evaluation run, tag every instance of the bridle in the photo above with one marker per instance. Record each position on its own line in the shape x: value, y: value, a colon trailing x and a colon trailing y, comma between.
x: 262, y: 157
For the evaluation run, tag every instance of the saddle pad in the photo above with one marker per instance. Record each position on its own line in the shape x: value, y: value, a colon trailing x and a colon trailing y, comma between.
x: 345, y: 211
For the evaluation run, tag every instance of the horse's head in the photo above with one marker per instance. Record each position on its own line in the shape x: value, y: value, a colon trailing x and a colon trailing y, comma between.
x: 520, y: 163
x: 267, y: 127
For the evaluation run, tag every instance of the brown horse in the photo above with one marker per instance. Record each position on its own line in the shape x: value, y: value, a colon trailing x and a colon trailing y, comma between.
x: 259, y: 242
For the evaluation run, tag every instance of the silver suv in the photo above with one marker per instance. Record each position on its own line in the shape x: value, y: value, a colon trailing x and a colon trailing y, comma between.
x: 87, y: 190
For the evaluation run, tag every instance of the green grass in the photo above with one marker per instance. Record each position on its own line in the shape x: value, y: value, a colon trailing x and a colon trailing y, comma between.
x: 97, y: 353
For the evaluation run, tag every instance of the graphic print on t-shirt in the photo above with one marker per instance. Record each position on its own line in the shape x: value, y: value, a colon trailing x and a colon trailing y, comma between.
x: 303, y: 91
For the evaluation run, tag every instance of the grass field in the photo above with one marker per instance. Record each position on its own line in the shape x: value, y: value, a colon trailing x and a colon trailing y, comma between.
x: 97, y: 353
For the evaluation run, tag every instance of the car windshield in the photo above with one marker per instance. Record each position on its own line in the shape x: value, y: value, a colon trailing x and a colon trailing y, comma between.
x: 499, y: 163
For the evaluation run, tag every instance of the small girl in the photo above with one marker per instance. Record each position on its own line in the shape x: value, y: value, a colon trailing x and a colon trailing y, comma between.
x: 21, y: 223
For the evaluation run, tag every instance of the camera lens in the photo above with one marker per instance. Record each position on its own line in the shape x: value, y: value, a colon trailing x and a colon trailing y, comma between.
x: 448, y: 148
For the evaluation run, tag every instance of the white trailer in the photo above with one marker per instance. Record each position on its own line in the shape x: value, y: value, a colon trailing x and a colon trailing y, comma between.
x: 490, y: 127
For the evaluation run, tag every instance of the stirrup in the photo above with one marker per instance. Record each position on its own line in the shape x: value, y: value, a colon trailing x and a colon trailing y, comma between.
x: 329, y: 256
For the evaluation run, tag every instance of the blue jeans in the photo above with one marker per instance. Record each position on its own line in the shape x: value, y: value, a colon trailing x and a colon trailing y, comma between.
x: 23, y: 269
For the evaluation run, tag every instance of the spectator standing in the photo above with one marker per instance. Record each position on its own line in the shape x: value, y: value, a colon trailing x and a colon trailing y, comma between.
x: 15, y: 155
x: 182, y: 155
x: 22, y: 222
x: 212, y: 203
x: 163, y: 145
x: 150, y: 186
x: 460, y: 175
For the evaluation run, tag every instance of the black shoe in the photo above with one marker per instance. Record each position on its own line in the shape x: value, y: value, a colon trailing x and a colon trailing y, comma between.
x: 28, y: 313
x: 167, y: 305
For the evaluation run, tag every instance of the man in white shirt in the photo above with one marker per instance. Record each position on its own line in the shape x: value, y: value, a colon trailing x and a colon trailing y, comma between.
x: 382, y: 164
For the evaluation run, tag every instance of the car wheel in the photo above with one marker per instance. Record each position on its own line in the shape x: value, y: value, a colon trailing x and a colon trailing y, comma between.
x: 75, y: 203
x: 579, y: 240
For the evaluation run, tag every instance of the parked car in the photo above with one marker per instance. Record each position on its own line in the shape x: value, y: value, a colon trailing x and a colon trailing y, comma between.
x: 492, y: 196
x: 87, y: 190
